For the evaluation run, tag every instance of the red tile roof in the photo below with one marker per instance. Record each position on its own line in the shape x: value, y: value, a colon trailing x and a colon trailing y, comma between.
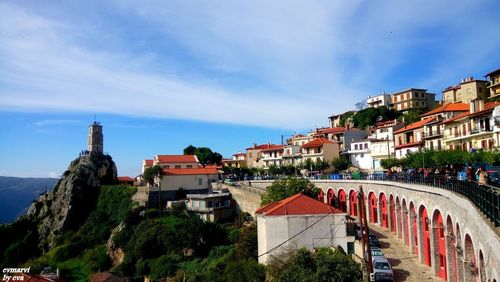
x: 318, y: 142
x: 333, y: 130
x: 177, y: 158
x: 190, y: 171
x: 239, y: 154
x: 297, y: 204
x: 407, y: 145
x: 263, y: 146
x: 125, y: 178
x: 450, y: 107
x: 415, y: 125
x: 148, y: 162
x: 277, y: 148
x: 459, y: 116
x: 488, y: 107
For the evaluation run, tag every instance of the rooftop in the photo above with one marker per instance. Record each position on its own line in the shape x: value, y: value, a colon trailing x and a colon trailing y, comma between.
x: 450, y: 107
x: 190, y: 171
x: 263, y: 146
x: 297, y: 204
x: 176, y: 158
x: 124, y: 178
x: 414, y: 125
x: 318, y: 142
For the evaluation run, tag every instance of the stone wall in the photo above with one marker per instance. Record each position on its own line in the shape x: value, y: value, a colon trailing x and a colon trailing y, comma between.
x: 247, y: 198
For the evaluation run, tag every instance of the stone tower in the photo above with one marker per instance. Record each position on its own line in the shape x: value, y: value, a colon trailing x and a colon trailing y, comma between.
x: 95, y: 139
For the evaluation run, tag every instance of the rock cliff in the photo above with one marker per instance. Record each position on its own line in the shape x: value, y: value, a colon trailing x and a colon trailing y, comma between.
x: 67, y: 206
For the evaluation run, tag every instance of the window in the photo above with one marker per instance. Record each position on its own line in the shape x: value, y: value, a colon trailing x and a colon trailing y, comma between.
x: 167, y: 166
x: 189, y: 166
x: 366, y: 145
x: 200, y: 181
x: 355, y: 146
x: 250, y: 155
x: 177, y: 166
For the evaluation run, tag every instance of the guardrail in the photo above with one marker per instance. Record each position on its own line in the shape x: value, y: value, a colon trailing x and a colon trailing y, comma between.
x: 485, y: 197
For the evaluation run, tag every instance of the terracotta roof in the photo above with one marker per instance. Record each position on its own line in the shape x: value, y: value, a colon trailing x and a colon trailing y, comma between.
x: 277, y: 148
x: 124, y: 178
x: 263, y: 146
x: 239, y: 154
x: 459, y: 116
x: 297, y: 204
x: 412, y: 144
x: 493, y: 72
x: 318, y: 142
x: 333, y: 130
x: 177, y: 158
x: 415, y: 125
x: 148, y: 162
x: 450, y: 107
x: 190, y: 171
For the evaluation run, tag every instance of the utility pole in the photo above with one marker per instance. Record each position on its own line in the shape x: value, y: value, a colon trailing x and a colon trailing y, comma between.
x: 365, y: 231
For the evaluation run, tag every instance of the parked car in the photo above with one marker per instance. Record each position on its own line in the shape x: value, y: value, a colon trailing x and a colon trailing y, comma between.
x: 374, y: 242
x: 382, y: 269
x: 375, y: 252
x: 230, y: 182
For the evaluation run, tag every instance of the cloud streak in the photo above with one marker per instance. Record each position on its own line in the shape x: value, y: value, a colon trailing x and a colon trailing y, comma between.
x: 269, y: 64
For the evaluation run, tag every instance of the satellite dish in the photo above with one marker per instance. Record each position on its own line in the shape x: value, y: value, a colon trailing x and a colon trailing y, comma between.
x: 380, y: 118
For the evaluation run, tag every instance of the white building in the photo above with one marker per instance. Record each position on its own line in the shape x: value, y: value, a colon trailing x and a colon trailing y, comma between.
x: 176, y: 161
x: 359, y: 154
x: 299, y: 221
x: 379, y: 100
x: 272, y: 156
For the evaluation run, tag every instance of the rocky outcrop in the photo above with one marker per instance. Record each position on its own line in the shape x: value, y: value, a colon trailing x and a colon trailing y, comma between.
x: 115, y: 253
x: 67, y: 206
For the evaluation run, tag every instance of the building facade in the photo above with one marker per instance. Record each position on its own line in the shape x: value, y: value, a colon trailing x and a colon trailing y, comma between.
x: 379, y: 101
x: 494, y: 83
x: 320, y: 149
x: 413, y: 98
x: 467, y: 90
x: 95, y: 144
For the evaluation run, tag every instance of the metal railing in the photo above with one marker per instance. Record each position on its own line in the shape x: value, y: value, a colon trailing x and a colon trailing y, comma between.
x: 485, y: 197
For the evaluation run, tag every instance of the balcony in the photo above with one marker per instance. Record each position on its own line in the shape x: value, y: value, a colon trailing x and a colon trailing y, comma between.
x: 432, y: 134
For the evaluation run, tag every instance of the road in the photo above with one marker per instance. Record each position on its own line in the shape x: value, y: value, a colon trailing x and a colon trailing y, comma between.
x: 405, y: 264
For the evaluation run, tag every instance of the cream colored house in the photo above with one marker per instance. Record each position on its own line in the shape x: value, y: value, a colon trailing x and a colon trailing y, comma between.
x: 382, y: 141
x: 291, y: 154
x: 466, y: 91
x: 238, y: 161
x: 320, y: 149
x: 253, y: 154
x: 288, y: 225
x: 473, y: 130
x: 272, y: 156
x: 410, y: 138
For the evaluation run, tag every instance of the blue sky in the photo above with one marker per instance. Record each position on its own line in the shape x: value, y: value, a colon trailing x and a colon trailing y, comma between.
x: 161, y: 75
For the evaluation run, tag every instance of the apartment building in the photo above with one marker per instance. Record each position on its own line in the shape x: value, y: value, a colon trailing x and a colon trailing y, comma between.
x: 473, y: 130
x: 413, y: 98
x: 359, y: 154
x: 272, y: 156
x: 382, y: 141
x: 379, y: 100
x: 176, y: 161
x: 467, y: 90
x: 340, y: 135
x: 320, y: 149
x: 410, y: 138
x: 292, y: 154
x: 253, y: 154
x: 238, y: 160
x: 494, y: 83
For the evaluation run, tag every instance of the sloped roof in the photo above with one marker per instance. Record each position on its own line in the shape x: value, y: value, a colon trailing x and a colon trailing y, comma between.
x: 277, y: 148
x: 263, y: 146
x: 190, y: 171
x: 493, y: 72
x: 488, y: 107
x: 450, y: 107
x: 177, y: 158
x: 333, y: 130
x: 148, y: 162
x: 124, y: 178
x: 415, y: 125
x: 459, y: 116
x: 318, y: 142
x: 297, y: 204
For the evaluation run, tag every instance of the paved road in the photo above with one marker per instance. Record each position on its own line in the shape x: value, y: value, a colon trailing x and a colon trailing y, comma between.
x: 405, y: 264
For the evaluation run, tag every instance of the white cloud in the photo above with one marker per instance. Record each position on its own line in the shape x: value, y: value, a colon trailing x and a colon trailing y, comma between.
x: 299, y: 62
x: 50, y: 122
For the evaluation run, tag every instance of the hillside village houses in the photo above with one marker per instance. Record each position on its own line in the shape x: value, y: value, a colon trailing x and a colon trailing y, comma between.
x: 463, y: 119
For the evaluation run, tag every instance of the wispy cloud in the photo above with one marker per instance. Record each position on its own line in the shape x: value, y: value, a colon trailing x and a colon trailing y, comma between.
x: 51, y: 122
x: 276, y: 64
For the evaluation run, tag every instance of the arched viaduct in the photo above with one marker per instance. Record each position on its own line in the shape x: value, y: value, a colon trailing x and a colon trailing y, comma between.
x: 446, y: 231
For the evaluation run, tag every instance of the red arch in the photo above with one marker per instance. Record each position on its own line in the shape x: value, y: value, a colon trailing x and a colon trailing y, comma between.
x: 330, y: 197
x: 372, y: 206
x: 392, y: 210
x: 426, y: 238
x: 470, y: 255
x: 342, y: 200
x: 353, y: 203
x: 321, y: 196
x: 383, y: 208
x: 441, y: 244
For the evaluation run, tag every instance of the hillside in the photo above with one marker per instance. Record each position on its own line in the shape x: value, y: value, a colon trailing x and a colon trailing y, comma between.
x: 17, y: 194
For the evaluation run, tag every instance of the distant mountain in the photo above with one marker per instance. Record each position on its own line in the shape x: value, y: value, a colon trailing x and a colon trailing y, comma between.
x: 17, y: 194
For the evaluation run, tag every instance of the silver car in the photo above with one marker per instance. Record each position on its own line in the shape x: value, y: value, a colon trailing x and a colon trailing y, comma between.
x: 382, y: 269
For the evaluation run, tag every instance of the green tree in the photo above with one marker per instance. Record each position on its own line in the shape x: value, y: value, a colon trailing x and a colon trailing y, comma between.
x: 340, y: 163
x: 151, y: 173
x: 189, y: 150
x: 413, y: 115
x: 286, y: 187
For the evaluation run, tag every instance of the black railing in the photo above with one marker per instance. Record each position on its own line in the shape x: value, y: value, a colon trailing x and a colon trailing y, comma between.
x: 485, y: 197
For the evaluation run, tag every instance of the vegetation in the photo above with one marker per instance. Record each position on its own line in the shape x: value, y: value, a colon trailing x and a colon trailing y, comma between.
x: 151, y: 173
x: 439, y: 159
x: 286, y: 187
x: 324, y: 264
x: 340, y: 163
x: 205, y: 155
x: 369, y: 116
x: 413, y: 115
